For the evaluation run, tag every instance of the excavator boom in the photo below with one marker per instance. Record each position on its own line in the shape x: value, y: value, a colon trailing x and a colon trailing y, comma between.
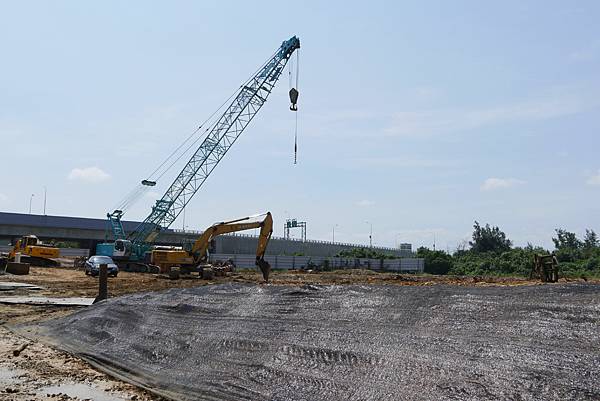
x: 199, y: 250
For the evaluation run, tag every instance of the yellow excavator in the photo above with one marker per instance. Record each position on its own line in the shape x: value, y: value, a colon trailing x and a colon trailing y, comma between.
x: 35, y: 252
x: 198, y: 253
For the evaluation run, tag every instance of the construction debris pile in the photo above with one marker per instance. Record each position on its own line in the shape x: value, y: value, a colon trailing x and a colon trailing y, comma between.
x: 234, y: 342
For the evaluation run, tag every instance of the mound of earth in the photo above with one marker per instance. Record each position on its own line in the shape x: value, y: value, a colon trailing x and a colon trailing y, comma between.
x: 243, y: 341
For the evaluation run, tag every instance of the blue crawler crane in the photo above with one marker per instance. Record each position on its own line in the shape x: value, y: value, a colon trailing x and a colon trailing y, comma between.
x: 129, y: 251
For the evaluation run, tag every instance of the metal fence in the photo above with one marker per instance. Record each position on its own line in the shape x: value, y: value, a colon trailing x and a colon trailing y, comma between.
x: 308, y: 241
x: 403, y: 265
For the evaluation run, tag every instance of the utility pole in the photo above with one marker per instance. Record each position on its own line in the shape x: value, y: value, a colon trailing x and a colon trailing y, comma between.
x: 336, y: 225
x: 287, y: 217
x: 370, y: 234
x: 30, y: 200
x: 44, y: 200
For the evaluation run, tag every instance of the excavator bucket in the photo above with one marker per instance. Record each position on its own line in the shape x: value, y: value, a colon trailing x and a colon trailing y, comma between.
x: 265, y: 268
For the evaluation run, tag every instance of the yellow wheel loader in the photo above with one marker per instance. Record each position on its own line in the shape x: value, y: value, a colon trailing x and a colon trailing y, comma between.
x: 34, y: 252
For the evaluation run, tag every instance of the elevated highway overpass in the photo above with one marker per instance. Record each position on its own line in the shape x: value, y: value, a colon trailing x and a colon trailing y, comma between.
x: 87, y: 232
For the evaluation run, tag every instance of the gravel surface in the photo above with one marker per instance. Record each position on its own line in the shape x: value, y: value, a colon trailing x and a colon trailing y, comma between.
x: 378, y: 342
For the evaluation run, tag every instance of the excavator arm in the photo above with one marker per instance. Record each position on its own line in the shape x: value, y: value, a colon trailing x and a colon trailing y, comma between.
x: 200, y: 246
x: 263, y: 239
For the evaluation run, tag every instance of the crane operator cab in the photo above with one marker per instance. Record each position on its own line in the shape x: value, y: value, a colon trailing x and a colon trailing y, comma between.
x: 122, y: 248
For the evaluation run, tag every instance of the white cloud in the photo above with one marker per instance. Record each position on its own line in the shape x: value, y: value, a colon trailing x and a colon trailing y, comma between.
x: 88, y: 174
x: 3, y: 198
x: 441, y: 121
x: 594, y: 179
x: 365, y: 202
x: 491, y: 184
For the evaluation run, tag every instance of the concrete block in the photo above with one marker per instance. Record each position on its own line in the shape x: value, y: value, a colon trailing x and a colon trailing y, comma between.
x: 208, y: 273
x: 17, y: 268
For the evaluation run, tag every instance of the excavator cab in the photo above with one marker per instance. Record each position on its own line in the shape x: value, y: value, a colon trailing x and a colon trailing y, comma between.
x: 24, y: 242
x: 27, y: 240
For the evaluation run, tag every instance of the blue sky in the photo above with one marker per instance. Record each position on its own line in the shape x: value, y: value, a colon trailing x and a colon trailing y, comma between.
x: 418, y: 117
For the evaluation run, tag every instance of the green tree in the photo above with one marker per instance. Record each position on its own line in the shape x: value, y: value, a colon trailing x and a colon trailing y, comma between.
x: 591, y: 247
x: 590, y: 241
x: 489, y: 239
x: 566, y: 240
x: 436, y: 262
x: 568, y: 246
x: 364, y: 253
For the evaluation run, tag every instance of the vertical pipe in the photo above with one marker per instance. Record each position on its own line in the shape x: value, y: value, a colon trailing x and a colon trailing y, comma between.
x: 102, y: 283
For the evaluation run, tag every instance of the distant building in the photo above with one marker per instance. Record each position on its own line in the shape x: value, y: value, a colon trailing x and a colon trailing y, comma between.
x: 405, y: 247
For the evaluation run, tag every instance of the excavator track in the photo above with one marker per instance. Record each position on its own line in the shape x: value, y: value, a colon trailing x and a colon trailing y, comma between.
x: 39, y: 261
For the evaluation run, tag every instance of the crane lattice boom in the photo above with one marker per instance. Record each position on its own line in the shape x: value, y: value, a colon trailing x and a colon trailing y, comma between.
x: 218, y: 141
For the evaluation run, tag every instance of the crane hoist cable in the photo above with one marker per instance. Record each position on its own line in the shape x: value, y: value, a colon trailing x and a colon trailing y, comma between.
x: 296, y: 139
x: 205, y: 123
x: 294, y: 100
x: 140, y: 189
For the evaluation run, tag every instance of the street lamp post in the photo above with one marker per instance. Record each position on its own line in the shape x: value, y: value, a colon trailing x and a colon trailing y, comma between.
x: 333, y: 236
x: 370, y: 234
x: 30, y: 200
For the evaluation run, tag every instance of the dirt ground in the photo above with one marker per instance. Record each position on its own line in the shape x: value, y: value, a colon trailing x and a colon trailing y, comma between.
x: 42, y: 373
x: 71, y: 282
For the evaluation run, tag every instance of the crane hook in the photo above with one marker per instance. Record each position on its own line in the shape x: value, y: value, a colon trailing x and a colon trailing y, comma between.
x: 294, y: 99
